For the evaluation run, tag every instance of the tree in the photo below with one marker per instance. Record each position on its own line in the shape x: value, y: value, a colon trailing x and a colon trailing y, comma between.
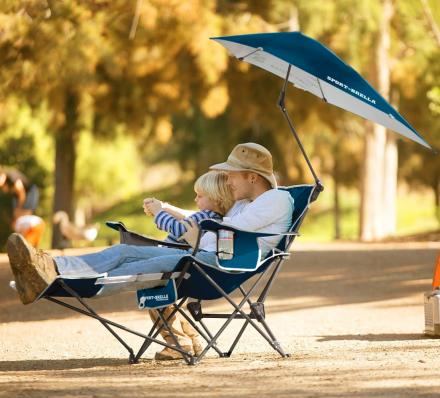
x: 77, y: 58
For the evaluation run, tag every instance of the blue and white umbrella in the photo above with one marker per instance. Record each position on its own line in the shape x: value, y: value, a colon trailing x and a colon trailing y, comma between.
x: 316, y: 69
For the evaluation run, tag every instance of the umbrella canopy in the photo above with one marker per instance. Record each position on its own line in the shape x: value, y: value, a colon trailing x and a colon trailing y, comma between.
x: 316, y: 69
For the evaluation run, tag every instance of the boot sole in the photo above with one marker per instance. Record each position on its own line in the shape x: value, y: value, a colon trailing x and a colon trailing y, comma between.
x: 171, y: 357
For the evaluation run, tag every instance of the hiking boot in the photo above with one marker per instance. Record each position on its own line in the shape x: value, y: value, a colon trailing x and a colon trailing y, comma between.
x: 167, y: 354
x: 33, y: 269
x: 197, y: 347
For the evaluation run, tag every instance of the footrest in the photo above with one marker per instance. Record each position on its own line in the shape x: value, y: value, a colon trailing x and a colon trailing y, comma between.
x: 85, y: 287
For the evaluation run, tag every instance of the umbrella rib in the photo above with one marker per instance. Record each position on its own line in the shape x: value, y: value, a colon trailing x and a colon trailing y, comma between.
x: 322, y: 92
x: 252, y: 52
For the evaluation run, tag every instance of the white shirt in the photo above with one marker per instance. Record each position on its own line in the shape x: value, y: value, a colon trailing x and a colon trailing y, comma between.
x: 270, y: 212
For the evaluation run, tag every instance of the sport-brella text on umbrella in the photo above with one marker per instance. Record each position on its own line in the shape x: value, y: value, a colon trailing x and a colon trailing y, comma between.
x: 312, y: 67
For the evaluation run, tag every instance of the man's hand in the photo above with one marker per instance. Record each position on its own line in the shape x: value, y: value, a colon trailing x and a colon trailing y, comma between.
x: 192, y: 232
x: 152, y: 206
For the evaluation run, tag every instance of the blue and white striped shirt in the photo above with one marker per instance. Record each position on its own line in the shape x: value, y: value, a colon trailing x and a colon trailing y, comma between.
x: 167, y: 222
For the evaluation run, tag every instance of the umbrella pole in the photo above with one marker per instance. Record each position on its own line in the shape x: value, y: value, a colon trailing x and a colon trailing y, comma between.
x: 282, y: 106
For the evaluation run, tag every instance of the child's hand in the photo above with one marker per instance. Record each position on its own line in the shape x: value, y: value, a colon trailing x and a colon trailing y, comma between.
x: 152, y: 206
x: 192, y: 232
x: 144, y: 205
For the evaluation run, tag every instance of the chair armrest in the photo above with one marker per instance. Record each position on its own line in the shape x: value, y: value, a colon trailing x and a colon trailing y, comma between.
x: 134, y: 238
x: 116, y: 225
x: 247, y: 254
x: 214, y: 226
x: 226, y: 269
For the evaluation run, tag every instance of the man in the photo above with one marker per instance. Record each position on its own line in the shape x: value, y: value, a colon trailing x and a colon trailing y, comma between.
x: 25, y: 194
x: 250, y: 175
x: 24, y: 202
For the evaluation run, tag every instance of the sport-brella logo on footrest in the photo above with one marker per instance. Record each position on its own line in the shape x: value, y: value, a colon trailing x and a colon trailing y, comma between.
x: 157, y: 297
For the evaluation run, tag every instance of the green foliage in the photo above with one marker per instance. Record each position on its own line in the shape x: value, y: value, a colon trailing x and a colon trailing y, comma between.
x: 415, y: 214
x: 106, y: 171
x: 130, y: 211
x: 180, y: 97
x: 19, y: 151
x: 434, y: 97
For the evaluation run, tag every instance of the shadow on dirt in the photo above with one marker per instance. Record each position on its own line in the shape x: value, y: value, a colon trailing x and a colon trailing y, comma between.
x: 334, y: 277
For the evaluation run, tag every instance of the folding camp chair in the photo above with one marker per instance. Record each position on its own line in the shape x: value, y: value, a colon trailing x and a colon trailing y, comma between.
x: 208, y: 282
x: 196, y: 281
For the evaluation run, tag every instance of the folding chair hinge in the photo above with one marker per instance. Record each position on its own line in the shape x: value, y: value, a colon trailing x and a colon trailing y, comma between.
x: 166, y: 275
x: 195, y: 310
x: 257, y: 310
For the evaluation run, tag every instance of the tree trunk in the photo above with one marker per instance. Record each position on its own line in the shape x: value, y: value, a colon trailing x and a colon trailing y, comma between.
x: 65, y: 156
x: 293, y: 19
x: 372, y: 178
x: 336, y: 193
x: 390, y: 186
x: 436, y: 188
x: 377, y: 176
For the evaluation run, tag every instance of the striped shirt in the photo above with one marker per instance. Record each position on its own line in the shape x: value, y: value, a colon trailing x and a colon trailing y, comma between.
x: 167, y: 222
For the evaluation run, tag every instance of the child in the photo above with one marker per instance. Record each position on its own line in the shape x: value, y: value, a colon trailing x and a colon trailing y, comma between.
x: 213, y: 198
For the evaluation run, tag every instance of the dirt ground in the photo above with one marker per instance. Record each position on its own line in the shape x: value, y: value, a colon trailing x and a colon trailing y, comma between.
x: 350, y: 315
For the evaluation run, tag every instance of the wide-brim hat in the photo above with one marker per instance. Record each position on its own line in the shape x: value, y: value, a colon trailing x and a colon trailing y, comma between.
x: 250, y: 157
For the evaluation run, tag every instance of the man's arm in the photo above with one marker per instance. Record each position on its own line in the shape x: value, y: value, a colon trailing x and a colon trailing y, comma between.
x: 20, y: 191
x: 261, y: 213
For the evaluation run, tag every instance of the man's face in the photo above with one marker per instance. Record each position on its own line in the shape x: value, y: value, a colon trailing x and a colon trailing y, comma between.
x: 240, y: 184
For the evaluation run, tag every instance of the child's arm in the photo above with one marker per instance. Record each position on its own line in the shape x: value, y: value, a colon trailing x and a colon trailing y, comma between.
x: 152, y: 206
x: 166, y: 222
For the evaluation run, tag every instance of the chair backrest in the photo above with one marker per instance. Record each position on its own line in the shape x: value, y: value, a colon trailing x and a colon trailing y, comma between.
x: 302, y: 195
x: 198, y: 288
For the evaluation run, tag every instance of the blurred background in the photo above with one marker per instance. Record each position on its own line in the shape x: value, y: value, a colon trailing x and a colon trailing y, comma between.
x: 103, y: 103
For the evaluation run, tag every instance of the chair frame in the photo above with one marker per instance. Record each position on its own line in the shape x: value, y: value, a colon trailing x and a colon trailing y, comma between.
x: 255, y: 315
x: 64, y: 289
x: 256, y: 308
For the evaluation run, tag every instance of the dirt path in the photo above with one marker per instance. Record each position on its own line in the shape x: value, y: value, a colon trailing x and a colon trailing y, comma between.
x: 351, y: 315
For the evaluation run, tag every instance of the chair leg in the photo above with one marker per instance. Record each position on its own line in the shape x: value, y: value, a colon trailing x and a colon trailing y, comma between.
x: 238, y: 309
x: 146, y: 342
x: 275, y: 343
x: 258, y: 309
x: 243, y: 328
x: 230, y: 319
x: 131, y: 356
x: 206, y: 335
x: 153, y: 334
x: 108, y: 322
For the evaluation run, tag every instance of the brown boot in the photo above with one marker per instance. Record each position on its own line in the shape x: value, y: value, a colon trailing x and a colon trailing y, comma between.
x: 192, y: 333
x: 167, y: 354
x: 197, y: 347
x: 33, y: 269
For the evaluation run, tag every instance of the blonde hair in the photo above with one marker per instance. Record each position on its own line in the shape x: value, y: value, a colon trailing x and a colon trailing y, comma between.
x: 214, y: 186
